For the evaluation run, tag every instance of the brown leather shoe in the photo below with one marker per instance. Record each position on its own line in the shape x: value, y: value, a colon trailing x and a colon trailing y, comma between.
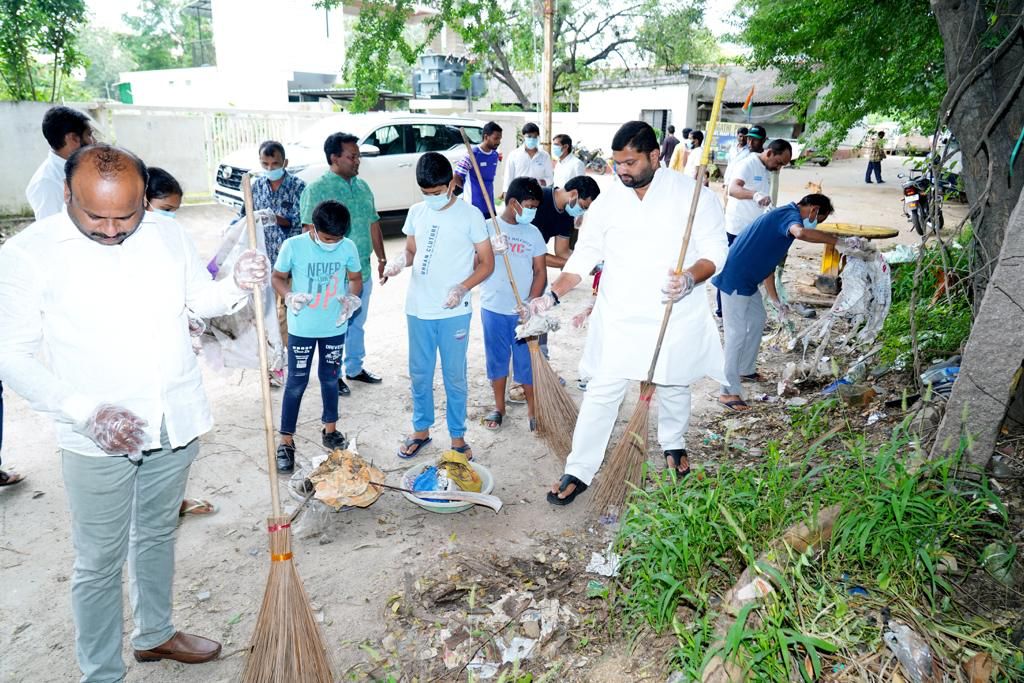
x: 184, y: 648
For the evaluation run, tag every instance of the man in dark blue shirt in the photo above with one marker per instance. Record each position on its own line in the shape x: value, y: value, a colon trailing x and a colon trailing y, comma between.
x: 752, y: 260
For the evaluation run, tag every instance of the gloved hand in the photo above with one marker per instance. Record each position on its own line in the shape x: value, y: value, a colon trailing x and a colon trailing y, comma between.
x: 350, y: 303
x: 252, y: 270
x: 499, y: 244
x: 115, y: 430
x: 196, y: 326
x: 541, y: 304
x: 580, y: 319
x: 296, y: 301
x: 264, y: 217
x: 782, y: 311
x: 455, y: 296
x: 761, y: 199
x: 394, y: 267
x: 677, y: 286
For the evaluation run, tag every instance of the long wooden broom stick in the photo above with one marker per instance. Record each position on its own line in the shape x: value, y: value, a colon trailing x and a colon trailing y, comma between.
x: 287, y: 643
x: 556, y: 411
x: 626, y: 461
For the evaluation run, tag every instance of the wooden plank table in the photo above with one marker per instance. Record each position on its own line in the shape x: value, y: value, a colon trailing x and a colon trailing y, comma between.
x: 831, y: 261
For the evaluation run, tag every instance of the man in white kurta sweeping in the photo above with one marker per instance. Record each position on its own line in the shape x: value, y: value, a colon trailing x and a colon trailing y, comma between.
x: 636, y: 227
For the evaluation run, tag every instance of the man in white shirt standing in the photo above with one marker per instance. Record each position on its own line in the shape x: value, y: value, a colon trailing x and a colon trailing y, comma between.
x: 568, y: 165
x: 529, y: 161
x: 103, y: 291
x: 65, y: 129
x: 750, y: 186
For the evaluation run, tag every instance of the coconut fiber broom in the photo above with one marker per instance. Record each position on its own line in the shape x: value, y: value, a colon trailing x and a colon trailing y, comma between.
x: 556, y: 412
x: 625, y: 463
x: 287, y: 644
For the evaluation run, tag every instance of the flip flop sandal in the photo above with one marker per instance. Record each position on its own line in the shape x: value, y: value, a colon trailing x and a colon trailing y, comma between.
x: 756, y: 377
x: 197, y: 506
x: 565, y: 481
x: 10, y: 478
x: 736, y: 405
x: 495, y: 418
x: 676, y: 457
x: 466, y: 450
x: 417, y: 445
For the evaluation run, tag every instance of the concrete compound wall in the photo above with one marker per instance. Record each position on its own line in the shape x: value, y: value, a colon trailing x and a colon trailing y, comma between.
x: 23, y: 148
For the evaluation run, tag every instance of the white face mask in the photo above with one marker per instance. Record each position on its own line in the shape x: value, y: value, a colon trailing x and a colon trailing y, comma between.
x: 322, y: 245
x: 436, y: 202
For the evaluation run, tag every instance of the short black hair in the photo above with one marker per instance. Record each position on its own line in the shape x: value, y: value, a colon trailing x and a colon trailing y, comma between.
x: 334, y: 142
x: 332, y: 218
x: 563, y: 139
x: 108, y: 160
x: 686, y: 132
x: 636, y: 134
x: 742, y: 131
x: 779, y: 146
x: 586, y: 186
x: 490, y: 128
x: 162, y: 184
x: 522, y: 189
x: 698, y: 135
x: 433, y: 169
x: 823, y: 203
x: 881, y: 133
x: 59, y: 121
x: 271, y: 148
x: 531, y: 129
x: 671, y: 129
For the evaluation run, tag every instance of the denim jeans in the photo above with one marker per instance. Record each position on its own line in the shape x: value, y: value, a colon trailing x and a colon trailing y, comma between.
x: 450, y: 337
x: 876, y: 168
x: 355, y: 350
x: 300, y: 360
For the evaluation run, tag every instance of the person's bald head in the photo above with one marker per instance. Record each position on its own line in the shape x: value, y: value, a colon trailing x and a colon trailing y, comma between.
x: 105, y: 192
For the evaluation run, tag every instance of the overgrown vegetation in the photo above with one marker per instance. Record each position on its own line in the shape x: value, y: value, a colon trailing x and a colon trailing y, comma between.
x: 899, y: 531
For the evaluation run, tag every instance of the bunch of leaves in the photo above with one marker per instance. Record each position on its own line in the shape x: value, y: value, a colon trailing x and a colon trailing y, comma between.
x: 33, y: 28
x: 811, y: 421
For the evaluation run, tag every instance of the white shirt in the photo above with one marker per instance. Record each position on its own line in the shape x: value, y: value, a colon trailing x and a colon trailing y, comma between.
x: 45, y: 192
x: 736, y: 155
x: 639, y: 242
x: 739, y: 213
x: 568, y: 168
x: 112, y: 325
x: 693, y: 161
x: 522, y: 165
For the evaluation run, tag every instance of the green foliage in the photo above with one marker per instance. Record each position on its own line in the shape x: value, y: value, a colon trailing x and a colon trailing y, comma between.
x: 105, y: 60
x: 38, y: 46
x: 873, y: 57
x: 163, y: 36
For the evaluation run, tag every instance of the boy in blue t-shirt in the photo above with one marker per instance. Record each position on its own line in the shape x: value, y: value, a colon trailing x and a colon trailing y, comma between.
x: 527, y: 254
x: 446, y: 244
x: 487, y: 158
x: 326, y: 280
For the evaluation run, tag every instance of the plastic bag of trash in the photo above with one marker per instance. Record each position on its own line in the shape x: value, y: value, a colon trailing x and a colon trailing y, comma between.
x: 910, y: 649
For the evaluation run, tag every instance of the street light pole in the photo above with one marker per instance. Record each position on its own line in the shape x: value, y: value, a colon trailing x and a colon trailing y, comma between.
x: 547, y: 96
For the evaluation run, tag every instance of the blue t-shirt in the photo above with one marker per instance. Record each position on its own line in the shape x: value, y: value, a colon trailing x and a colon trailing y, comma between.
x: 322, y: 274
x: 445, y: 246
x: 524, y: 243
x: 756, y: 252
x: 488, y: 163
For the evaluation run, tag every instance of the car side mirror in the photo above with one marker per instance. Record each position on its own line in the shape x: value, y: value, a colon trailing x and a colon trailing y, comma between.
x: 369, y: 150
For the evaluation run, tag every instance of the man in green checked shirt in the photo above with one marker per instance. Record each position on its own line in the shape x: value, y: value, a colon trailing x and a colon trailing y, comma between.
x: 341, y: 184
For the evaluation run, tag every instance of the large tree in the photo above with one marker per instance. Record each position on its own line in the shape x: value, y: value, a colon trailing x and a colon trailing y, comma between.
x: 38, y: 46
x: 105, y: 60
x: 161, y: 36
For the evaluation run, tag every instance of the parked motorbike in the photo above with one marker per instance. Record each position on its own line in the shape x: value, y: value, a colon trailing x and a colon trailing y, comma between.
x: 918, y: 193
x: 593, y: 160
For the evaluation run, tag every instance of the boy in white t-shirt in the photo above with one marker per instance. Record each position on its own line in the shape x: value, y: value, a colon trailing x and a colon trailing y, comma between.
x: 527, y: 254
x: 443, y: 235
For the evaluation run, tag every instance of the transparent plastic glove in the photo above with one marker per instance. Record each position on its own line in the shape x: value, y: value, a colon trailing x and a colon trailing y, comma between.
x: 499, y: 244
x: 853, y: 244
x: 395, y: 267
x: 196, y: 326
x: 541, y: 304
x: 761, y: 199
x: 782, y: 311
x: 252, y: 270
x: 455, y: 296
x: 115, y: 430
x: 677, y: 286
x: 350, y: 303
x: 296, y: 301
x: 580, y: 319
x: 264, y: 217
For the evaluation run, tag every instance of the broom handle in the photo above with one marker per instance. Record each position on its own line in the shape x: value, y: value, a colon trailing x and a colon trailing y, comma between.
x: 494, y: 214
x: 261, y: 346
x: 701, y: 172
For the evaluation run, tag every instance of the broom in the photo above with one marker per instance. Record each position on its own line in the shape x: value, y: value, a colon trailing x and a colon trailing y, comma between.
x: 554, y: 409
x: 626, y: 462
x: 287, y: 644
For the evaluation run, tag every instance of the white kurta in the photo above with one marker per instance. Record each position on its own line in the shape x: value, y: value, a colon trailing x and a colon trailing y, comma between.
x: 45, y: 192
x: 639, y: 242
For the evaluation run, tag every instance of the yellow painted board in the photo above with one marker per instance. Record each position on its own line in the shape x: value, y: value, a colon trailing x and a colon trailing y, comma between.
x: 870, y: 232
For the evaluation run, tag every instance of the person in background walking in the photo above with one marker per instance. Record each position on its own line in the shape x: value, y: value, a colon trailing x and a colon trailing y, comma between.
x: 677, y: 162
x: 693, y: 159
x: 567, y: 164
x: 65, y: 130
x: 487, y: 159
x: 529, y: 161
x: 875, y: 156
x: 668, y: 145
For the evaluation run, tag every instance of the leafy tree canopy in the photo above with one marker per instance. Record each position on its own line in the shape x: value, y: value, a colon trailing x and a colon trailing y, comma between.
x: 38, y: 46
x: 162, y: 36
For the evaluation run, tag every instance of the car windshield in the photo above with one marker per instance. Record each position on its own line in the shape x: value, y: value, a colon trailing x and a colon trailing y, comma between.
x: 314, y: 136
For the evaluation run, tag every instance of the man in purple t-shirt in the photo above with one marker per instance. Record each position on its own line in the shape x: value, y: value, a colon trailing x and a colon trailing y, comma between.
x: 487, y: 159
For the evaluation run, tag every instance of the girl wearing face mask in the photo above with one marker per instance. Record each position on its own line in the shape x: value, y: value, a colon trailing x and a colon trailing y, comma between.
x: 163, y: 193
x: 321, y: 295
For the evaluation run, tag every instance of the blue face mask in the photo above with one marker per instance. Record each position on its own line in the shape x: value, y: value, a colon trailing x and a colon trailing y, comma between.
x: 809, y: 224
x: 526, y: 216
x: 325, y: 247
x: 574, y: 209
x: 531, y: 143
x: 556, y: 152
x: 274, y: 174
x: 436, y: 202
x: 165, y: 212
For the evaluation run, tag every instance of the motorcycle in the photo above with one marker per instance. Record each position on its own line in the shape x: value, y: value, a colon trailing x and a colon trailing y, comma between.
x: 917, y: 197
x: 593, y: 160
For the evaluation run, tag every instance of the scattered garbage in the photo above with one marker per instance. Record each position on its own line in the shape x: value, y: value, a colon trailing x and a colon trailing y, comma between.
x: 606, y: 564
x: 857, y: 591
x: 876, y: 417
x: 857, y: 372
x: 831, y: 388
x: 758, y: 588
x: 912, y: 652
x: 901, y: 253
x: 997, y: 559
x: 940, y: 376
x: 857, y: 394
x: 796, y: 401
x: 999, y: 467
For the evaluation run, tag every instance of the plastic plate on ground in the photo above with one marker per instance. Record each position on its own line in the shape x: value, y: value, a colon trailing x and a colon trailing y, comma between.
x: 486, y: 486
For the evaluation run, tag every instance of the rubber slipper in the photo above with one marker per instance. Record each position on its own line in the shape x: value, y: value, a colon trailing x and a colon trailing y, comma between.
x: 417, y: 444
x: 737, y: 405
x: 10, y: 478
x: 674, y: 458
x: 566, y: 480
x: 196, y: 506
x: 495, y: 418
x: 465, y: 449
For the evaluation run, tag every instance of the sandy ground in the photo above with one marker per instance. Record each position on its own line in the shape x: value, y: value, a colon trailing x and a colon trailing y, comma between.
x: 360, y: 559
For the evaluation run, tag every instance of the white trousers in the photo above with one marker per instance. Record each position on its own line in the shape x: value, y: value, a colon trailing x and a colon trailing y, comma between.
x: 597, y: 418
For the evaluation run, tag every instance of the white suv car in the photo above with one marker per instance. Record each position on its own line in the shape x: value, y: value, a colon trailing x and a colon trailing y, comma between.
x: 390, y: 144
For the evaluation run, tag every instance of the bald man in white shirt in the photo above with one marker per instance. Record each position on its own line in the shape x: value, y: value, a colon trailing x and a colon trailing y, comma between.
x: 65, y: 130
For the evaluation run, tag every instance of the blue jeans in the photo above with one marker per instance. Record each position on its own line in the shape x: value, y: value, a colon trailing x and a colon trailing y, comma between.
x: 450, y: 336
x: 355, y: 351
x: 876, y: 168
x: 300, y: 358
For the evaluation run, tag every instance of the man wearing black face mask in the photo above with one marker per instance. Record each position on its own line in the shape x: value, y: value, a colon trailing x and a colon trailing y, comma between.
x: 104, y: 291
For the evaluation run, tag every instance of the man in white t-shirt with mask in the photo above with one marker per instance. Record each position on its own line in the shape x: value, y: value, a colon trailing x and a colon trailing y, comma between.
x: 529, y: 161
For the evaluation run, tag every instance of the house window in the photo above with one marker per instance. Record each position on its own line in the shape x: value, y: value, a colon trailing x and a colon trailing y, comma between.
x: 657, y: 118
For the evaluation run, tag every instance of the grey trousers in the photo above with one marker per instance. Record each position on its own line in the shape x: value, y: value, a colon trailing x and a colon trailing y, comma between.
x: 743, y: 319
x: 121, y: 510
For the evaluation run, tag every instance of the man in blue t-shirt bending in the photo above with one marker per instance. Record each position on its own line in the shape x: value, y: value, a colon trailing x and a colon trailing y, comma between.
x: 752, y: 260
